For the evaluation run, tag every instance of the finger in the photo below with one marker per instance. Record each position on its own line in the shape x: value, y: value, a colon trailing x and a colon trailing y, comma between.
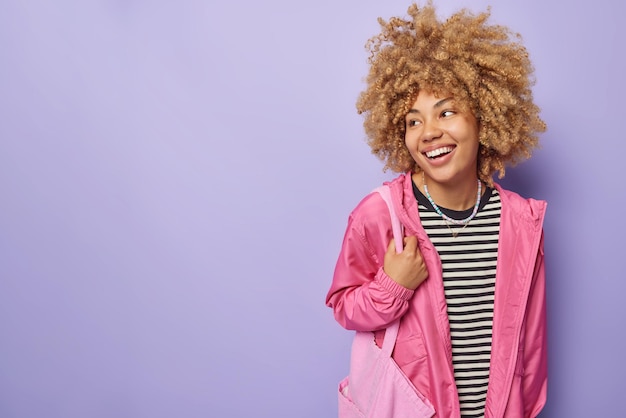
x: 410, y: 243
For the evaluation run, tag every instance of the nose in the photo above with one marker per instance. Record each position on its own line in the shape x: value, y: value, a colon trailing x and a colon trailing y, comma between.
x: 431, y: 130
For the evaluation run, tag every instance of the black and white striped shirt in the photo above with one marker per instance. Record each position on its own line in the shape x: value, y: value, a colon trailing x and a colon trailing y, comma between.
x: 469, y: 276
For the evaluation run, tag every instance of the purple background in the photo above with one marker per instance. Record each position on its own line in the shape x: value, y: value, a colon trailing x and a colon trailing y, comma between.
x: 175, y: 179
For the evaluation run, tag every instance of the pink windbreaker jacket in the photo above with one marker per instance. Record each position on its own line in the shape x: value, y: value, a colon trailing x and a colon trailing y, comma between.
x: 364, y: 298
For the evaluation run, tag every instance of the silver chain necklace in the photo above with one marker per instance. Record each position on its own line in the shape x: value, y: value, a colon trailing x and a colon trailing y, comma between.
x: 448, y: 220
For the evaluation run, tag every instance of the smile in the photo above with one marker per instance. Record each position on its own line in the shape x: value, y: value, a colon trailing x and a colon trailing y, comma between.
x: 438, y: 152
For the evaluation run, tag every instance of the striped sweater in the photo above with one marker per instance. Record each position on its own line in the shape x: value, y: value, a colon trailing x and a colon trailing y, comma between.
x: 468, y: 256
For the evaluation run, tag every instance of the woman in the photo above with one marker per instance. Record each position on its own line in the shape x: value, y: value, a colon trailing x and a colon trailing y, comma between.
x: 448, y: 104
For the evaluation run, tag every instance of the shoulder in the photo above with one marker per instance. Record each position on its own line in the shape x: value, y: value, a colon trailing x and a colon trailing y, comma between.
x: 372, y: 207
x: 370, y: 210
x: 371, y: 218
x: 374, y: 204
x: 372, y: 213
x: 522, y: 207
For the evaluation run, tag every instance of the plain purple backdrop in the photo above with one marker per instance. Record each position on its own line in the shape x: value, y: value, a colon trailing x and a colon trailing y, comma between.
x: 175, y: 179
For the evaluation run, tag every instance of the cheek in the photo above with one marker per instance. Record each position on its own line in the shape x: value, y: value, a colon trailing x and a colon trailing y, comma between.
x: 411, y: 144
x: 410, y: 141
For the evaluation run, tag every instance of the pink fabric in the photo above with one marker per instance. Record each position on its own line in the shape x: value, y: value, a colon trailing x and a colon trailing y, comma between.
x: 364, y: 298
x: 376, y: 387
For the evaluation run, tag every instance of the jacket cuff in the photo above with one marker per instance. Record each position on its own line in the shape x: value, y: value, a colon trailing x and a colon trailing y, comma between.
x: 387, y: 283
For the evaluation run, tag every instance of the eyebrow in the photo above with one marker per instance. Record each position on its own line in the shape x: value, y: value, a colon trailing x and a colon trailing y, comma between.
x: 437, y: 105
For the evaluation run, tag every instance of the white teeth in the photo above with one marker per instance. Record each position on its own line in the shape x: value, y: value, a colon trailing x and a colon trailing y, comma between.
x: 437, y: 152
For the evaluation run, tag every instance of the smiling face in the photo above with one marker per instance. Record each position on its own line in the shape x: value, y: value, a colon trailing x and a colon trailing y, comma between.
x: 442, y: 138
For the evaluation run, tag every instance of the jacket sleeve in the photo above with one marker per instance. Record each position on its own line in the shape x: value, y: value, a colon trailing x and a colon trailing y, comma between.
x: 362, y: 296
x: 535, y: 375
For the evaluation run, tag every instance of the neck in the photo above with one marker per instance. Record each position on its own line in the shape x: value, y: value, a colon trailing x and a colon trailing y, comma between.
x: 458, y: 196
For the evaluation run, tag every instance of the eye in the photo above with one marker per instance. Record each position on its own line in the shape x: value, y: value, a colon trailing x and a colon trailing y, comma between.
x: 412, y: 122
x: 447, y: 113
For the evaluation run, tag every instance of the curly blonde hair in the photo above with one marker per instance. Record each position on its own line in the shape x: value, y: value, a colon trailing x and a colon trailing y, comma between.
x: 480, y: 65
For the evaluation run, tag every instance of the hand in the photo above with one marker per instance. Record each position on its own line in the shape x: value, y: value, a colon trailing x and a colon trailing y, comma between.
x: 406, y: 268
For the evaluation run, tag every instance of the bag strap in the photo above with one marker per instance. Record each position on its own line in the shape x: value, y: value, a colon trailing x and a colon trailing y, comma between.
x: 391, y: 333
x: 396, y: 226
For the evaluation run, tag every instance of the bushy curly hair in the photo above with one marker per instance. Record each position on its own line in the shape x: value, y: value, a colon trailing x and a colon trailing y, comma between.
x: 484, y: 67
